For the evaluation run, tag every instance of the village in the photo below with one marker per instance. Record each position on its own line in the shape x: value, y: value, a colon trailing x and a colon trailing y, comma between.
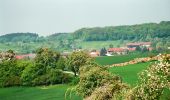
x: 130, y: 47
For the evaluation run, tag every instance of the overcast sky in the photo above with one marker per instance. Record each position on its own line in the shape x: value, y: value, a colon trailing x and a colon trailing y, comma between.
x: 52, y: 16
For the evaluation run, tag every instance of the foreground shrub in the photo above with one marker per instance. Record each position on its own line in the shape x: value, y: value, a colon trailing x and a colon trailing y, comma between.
x: 44, y: 70
x: 153, y: 81
x: 9, y: 71
x: 96, y: 83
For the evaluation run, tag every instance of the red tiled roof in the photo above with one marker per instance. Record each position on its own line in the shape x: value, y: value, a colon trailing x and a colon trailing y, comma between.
x: 131, y: 49
x: 115, y: 49
x: 24, y: 56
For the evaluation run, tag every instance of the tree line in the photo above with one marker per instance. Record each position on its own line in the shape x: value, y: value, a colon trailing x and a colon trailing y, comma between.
x: 157, y: 33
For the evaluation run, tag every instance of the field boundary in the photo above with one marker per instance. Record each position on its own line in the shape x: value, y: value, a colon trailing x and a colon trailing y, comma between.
x: 138, y: 60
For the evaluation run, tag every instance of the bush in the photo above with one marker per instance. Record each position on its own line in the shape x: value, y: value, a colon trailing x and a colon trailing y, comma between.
x: 95, y: 80
x: 9, y: 71
x: 75, y: 81
x: 153, y: 81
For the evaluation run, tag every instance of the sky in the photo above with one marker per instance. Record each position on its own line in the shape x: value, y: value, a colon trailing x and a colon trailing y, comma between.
x: 46, y: 17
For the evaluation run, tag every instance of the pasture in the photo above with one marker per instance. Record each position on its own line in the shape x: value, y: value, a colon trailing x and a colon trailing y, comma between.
x: 129, y: 75
x: 109, y: 60
x: 55, y: 92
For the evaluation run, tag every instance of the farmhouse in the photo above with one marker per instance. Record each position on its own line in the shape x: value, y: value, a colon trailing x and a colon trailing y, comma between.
x: 94, y: 53
x: 29, y: 56
x: 131, y: 49
x: 119, y: 51
x: 138, y: 44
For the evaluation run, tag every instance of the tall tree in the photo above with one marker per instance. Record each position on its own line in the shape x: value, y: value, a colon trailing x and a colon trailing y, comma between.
x: 77, y: 60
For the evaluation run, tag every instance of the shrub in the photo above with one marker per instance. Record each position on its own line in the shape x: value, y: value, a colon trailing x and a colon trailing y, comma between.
x: 96, y: 83
x: 77, y: 60
x: 153, y: 81
x: 9, y: 71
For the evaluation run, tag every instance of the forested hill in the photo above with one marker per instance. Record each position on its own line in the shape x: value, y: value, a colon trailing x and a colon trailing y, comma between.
x: 17, y: 37
x: 90, y: 38
x: 59, y: 36
x: 142, y: 32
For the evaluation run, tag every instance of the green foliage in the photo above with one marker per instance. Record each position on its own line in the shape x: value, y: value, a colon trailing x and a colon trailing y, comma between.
x: 9, y: 71
x: 19, y: 37
x: 143, y: 32
x: 103, y: 52
x: 158, y: 34
x: 76, y: 60
x: 75, y: 81
x: 96, y: 83
x: 153, y: 81
x: 45, y: 70
x: 61, y: 63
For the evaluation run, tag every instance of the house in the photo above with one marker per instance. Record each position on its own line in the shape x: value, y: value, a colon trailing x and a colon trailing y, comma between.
x: 94, y: 53
x: 138, y: 44
x: 131, y: 49
x: 119, y: 51
x: 24, y: 56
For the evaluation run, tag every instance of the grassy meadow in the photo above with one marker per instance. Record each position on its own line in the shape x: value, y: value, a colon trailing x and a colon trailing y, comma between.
x: 129, y: 73
x: 109, y: 60
x: 55, y: 92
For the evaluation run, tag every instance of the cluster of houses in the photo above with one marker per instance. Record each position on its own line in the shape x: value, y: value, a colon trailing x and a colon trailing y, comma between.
x: 130, y: 47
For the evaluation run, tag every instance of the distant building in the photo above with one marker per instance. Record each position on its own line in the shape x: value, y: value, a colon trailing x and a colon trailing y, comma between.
x: 131, y: 49
x: 138, y: 44
x: 25, y: 56
x: 119, y: 51
x: 94, y: 54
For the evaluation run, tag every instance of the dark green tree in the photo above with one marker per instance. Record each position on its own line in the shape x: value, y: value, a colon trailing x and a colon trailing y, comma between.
x: 103, y: 52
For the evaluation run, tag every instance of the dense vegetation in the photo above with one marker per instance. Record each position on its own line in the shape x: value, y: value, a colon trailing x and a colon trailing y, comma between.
x: 47, y: 68
x: 142, y: 32
x: 158, y: 33
x: 92, y: 80
x: 96, y: 83
x: 19, y: 37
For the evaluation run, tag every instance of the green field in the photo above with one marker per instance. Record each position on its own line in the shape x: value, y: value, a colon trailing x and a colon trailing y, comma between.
x: 129, y: 73
x: 109, y: 60
x: 56, y: 92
